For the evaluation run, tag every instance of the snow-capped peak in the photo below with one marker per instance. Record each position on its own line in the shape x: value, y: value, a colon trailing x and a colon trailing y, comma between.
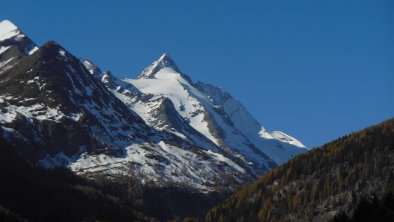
x: 8, y: 30
x: 13, y: 45
x: 165, y: 61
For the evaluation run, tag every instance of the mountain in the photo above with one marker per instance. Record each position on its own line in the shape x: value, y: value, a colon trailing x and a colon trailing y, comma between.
x: 56, y: 113
x: 327, y: 181
x: 58, y: 110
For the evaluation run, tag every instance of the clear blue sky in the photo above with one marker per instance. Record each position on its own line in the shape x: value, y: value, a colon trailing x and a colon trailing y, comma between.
x: 314, y: 69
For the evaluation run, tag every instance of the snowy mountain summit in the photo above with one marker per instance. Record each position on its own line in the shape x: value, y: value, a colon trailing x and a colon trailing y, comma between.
x: 164, y: 61
x: 161, y: 127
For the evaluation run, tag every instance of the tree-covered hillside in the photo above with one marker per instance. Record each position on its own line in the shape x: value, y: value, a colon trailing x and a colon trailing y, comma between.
x: 317, y: 185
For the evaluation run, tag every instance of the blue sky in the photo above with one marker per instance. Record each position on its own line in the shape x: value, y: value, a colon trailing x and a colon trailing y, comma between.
x: 314, y: 69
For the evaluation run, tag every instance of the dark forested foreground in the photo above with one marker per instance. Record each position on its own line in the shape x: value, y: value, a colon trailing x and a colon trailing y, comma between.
x: 315, y: 186
x: 34, y: 194
x: 371, y: 208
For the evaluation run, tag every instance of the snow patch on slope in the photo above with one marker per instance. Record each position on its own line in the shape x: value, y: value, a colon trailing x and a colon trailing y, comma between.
x: 160, y: 162
x: 34, y: 111
x: 3, y: 49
